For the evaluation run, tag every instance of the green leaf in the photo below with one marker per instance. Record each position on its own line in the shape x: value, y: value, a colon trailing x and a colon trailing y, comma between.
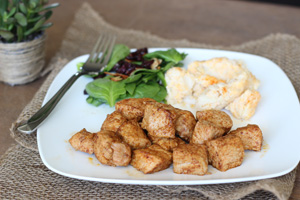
x: 7, y: 35
x: 146, y: 90
x: 79, y: 66
x: 32, y: 5
x: 36, y: 27
x: 161, y: 95
x: 49, y: 7
x: 94, y: 101
x: 26, y: 3
x: 3, y: 6
x: 120, y: 52
x: 5, y: 17
x: 11, y: 12
x: 133, y: 78
x: 13, y: 3
x: 167, y: 66
x: 11, y: 20
x: 10, y: 27
x: 137, y: 62
x: 161, y: 77
x: 21, y: 19
x: 45, y: 26
x: 149, y: 77
x: 106, y: 90
x: 23, y: 8
x: 130, y: 87
x: 48, y: 14
x: 170, y: 55
x: 145, y: 71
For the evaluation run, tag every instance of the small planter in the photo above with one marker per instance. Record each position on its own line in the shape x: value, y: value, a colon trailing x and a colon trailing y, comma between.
x: 22, y: 62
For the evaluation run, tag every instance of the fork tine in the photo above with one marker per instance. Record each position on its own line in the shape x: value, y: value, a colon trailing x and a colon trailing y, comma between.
x: 102, y: 48
x: 92, y: 54
x: 109, y: 50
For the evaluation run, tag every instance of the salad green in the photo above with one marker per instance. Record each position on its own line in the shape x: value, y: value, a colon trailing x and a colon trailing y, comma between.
x: 141, y: 83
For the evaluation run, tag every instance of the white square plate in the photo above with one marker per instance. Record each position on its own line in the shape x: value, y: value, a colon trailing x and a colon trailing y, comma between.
x: 278, y: 115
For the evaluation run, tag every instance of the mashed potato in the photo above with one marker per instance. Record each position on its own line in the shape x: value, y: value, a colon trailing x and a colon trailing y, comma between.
x: 214, y: 84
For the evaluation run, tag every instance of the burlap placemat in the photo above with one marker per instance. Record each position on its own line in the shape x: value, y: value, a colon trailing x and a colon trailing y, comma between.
x: 24, y: 176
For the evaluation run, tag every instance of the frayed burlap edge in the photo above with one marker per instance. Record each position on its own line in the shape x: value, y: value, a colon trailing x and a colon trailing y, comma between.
x: 283, y: 49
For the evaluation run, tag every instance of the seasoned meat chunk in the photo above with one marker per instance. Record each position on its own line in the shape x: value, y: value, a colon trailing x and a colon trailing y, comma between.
x: 83, y: 141
x: 133, y: 134
x: 167, y: 143
x: 190, y: 159
x: 162, y: 105
x: 113, y: 121
x: 225, y: 152
x: 159, y: 120
x: 218, y: 117
x: 251, y: 136
x: 205, y: 130
x: 132, y: 108
x: 151, y: 159
x: 110, y: 150
x: 185, y: 124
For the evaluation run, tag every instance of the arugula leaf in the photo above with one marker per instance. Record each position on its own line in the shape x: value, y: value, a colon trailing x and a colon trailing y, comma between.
x: 106, y: 90
x: 149, y: 77
x: 161, y: 77
x: 133, y: 78
x: 130, y: 87
x: 94, y: 101
x: 79, y: 66
x: 146, y: 90
x: 120, y: 52
x: 161, y: 95
x: 171, y: 55
x: 168, y: 66
x: 144, y: 71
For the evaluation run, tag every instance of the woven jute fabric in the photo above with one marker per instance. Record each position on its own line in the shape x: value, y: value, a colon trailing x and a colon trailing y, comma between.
x: 24, y: 176
x: 22, y: 62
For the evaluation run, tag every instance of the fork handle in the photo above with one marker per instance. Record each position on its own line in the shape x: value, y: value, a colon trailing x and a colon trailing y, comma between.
x: 32, y: 124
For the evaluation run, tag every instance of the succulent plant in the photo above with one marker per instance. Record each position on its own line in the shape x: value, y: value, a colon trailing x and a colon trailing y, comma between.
x: 23, y: 20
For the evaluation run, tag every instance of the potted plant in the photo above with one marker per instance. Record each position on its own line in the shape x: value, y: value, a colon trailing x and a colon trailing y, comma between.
x: 22, y: 39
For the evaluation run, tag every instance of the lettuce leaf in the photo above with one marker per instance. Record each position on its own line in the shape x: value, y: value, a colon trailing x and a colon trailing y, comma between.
x: 105, y: 90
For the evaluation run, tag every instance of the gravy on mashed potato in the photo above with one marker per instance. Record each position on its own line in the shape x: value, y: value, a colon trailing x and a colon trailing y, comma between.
x: 214, y: 84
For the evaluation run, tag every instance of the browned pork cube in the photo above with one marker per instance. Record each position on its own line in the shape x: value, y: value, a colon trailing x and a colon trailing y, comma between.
x: 110, y: 150
x: 225, y: 152
x: 159, y: 120
x: 205, y: 130
x: 217, y: 117
x: 190, y: 159
x: 167, y: 143
x: 113, y: 121
x: 185, y: 124
x: 83, y: 141
x: 132, y: 108
x: 133, y: 134
x: 151, y: 159
x: 251, y: 136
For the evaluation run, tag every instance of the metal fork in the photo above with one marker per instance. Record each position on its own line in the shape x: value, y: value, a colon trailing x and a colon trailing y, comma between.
x: 97, y: 60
